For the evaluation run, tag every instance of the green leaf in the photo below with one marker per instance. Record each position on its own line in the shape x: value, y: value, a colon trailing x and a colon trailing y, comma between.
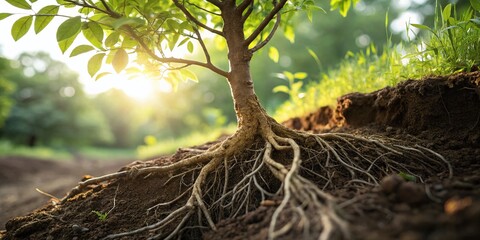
x: 447, y: 11
x: 290, y: 77
x: 189, y: 75
x: 281, y: 88
x: 475, y: 4
x: 20, y: 4
x: 315, y: 57
x: 93, y: 33
x: 129, y: 42
x: 407, y: 177
x: 65, y: 44
x: 134, y: 22
x: 4, y: 15
x: 190, y: 47
x: 21, y: 27
x: 69, y: 28
x: 96, y: 30
x: 300, y: 75
x: 273, y: 54
x: 289, y: 34
x: 95, y: 63
x: 81, y: 49
x: 112, y: 39
x: 421, y: 26
x: 101, y: 75
x: 42, y: 21
x: 120, y: 60
x: 386, y: 20
x: 172, y: 42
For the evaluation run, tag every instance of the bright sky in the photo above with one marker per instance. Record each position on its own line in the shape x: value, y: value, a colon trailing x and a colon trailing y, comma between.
x: 46, y: 41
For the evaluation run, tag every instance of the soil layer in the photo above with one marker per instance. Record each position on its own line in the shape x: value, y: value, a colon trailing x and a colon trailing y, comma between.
x: 441, y: 113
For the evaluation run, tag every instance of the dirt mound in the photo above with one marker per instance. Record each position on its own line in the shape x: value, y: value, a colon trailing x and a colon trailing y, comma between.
x: 441, y: 113
x: 20, y: 176
x: 439, y: 102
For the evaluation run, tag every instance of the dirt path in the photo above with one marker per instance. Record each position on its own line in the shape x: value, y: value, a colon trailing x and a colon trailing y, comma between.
x: 20, y: 176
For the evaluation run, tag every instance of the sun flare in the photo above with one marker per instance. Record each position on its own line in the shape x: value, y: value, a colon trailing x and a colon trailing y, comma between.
x: 138, y: 88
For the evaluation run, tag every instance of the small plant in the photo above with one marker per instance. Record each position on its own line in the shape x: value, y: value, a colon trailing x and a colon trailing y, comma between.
x: 101, y: 216
x: 454, y: 44
x: 293, y: 88
x: 407, y: 177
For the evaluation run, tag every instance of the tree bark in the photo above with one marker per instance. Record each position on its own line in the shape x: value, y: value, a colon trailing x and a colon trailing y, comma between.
x: 250, y: 113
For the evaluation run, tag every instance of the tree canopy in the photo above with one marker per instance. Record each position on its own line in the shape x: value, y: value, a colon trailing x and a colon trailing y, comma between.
x: 147, y: 34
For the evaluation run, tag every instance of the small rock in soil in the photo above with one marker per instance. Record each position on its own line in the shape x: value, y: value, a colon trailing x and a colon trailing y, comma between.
x: 410, y: 192
x: 390, y: 183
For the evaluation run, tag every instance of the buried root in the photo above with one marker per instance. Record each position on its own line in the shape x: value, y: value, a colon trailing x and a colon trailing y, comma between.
x: 227, y: 184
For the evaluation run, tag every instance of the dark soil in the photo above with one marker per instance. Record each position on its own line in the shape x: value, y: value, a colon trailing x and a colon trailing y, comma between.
x: 442, y: 113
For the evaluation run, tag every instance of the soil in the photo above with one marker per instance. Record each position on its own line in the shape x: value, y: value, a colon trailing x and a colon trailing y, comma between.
x: 441, y: 113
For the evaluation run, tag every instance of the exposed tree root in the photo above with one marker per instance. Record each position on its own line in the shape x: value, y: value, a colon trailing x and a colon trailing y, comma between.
x: 305, y: 166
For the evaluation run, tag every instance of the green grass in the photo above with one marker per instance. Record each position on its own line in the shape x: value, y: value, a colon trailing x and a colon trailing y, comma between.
x: 107, y: 154
x: 63, y: 154
x: 8, y: 149
x: 453, y: 45
x: 153, y: 148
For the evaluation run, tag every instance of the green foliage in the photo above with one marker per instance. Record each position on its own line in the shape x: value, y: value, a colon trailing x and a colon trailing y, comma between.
x: 407, y: 177
x: 101, y: 216
x: 6, y: 89
x: 293, y: 88
x: 21, y: 27
x: 8, y: 148
x: 453, y: 45
x: 149, y: 31
x: 342, y: 5
x: 45, y: 16
x: 23, y: 4
x: 365, y: 71
x: 155, y: 147
x: 50, y: 107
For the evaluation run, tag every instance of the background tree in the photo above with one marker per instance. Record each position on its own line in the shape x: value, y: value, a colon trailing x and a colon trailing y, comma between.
x: 149, y: 32
x: 6, y: 88
x: 51, y: 108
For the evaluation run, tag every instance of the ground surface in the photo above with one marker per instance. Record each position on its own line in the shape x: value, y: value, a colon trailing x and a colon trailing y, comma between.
x: 442, y: 113
x: 20, y: 176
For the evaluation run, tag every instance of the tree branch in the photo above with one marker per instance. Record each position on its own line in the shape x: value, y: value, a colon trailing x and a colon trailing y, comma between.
x: 244, y: 5
x: 205, y: 10
x: 247, y: 14
x: 270, y: 35
x: 202, y: 44
x: 216, y: 3
x: 195, y: 20
x: 265, y: 22
x: 152, y: 54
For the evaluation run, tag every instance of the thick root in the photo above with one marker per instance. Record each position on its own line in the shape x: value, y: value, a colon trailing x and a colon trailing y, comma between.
x: 233, y: 181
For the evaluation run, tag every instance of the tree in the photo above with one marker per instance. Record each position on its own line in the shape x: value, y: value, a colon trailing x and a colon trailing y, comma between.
x: 150, y: 31
x: 6, y: 89
x: 50, y: 107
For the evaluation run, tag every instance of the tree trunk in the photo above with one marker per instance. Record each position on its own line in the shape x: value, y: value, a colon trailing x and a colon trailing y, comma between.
x: 250, y: 114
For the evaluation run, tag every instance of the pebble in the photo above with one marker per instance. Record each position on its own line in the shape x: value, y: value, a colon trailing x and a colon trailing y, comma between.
x: 390, y: 183
x: 411, y: 193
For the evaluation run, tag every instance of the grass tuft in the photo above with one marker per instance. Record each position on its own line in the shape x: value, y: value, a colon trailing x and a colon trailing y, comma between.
x: 453, y: 45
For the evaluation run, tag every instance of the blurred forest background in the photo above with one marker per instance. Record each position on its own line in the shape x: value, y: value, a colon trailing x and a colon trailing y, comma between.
x: 46, y: 112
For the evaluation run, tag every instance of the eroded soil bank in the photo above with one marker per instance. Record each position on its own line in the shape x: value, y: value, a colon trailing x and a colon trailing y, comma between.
x: 441, y: 113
